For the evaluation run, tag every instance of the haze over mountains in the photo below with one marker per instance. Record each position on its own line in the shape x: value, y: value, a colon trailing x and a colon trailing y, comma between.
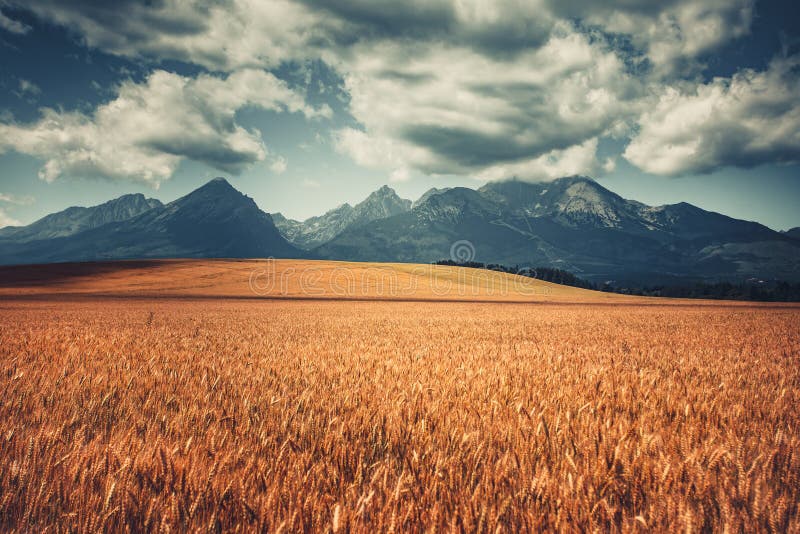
x: 571, y: 223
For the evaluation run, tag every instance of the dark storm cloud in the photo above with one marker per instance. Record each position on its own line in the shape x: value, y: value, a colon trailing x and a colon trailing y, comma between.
x: 389, y: 19
x: 208, y: 150
x: 582, y: 9
x: 141, y: 29
x: 464, y: 148
x: 499, y: 33
x: 127, y: 19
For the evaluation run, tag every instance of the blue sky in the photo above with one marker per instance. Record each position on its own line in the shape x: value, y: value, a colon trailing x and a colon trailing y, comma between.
x: 305, y: 105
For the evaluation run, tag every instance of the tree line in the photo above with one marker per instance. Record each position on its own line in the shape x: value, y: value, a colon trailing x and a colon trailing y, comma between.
x: 754, y: 290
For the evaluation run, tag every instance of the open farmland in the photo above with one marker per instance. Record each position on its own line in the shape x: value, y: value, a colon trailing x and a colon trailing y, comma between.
x: 193, y: 396
x: 283, y: 279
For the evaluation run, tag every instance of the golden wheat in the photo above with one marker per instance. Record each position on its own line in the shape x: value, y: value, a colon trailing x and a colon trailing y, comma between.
x: 227, y: 415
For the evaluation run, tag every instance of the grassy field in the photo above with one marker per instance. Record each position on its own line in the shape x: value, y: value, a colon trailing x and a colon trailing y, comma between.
x: 201, y: 396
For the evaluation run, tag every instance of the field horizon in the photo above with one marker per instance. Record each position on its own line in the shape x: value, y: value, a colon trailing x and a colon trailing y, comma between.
x: 290, y: 279
x: 282, y: 279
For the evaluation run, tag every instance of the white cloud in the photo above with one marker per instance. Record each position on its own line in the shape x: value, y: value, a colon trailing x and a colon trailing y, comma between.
x: 379, y: 152
x: 145, y: 132
x: 278, y: 165
x: 28, y: 90
x: 6, y: 220
x: 672, y: 34
x: 575, y: 160
x: 310, y: 184
x: 453, y: 110
x: 13, y: 26
x: 470, y: 87
x: 441, y: 86
x: 27, y: 87
x: 267, y: 32
x: 222, y: 35
x: 17, y: 200
x: 747, y: 120
x: 400, y: 175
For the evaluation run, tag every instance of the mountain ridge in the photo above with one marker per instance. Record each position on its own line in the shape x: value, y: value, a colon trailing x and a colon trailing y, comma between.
x: 315, y: 231
x: 793, y: 232
x: 572, y: 223
x: 213, y: 221
x: 76, y: 219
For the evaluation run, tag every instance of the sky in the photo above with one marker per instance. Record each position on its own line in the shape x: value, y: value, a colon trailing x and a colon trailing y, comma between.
x: 304, y: 105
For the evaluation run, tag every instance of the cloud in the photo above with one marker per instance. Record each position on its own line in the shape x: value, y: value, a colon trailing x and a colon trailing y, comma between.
x: 399, y: 175
x: 579, y: 159
x: 747, y: 120
x: 494, y: 27
x: 232, y: 34
x: 27, y: 87
x: 484, y: 88
x: 225, y: 35
x: 268, y: 32
x: 7, y: 220
x: 13, y: 26
x: 28, y: 90
x: 17, y: 200
x: 278, y: 165
x: 452, y: 110
x: 672, y: 34
x: 221, y: 35
x: 149, y: 128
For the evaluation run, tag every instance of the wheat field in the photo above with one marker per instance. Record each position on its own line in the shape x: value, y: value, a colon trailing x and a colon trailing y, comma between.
x: 232, y: 415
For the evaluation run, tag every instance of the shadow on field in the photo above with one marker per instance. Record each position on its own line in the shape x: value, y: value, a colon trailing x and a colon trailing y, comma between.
x: 54, y: 274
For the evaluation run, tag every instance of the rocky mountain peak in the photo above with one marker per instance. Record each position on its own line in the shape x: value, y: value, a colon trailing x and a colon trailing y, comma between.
x: 381, y: 203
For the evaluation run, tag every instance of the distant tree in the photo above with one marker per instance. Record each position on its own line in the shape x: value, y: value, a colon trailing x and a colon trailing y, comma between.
x: 754, y: 290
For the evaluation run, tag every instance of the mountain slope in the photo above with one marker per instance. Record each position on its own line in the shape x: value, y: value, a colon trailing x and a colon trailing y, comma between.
x: 794, y: 233
x: 429, y: 193
x: 78, y: 219
x: 575, y: 224
x: 213, y: 221
x: 318, y: 230
x: 427, y: 232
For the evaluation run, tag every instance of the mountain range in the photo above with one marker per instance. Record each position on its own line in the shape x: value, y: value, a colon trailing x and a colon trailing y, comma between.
x: 571, y: 223
x: 214, y: 221
x: 577, y: 225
